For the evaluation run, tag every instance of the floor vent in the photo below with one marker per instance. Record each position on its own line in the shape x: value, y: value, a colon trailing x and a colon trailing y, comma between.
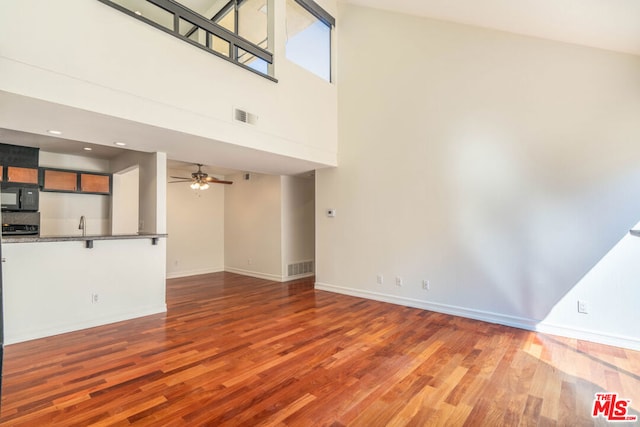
x: 244, y: 116
x: 298, y: 268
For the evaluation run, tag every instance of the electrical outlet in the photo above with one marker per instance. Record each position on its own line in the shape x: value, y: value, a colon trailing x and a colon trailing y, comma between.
x: 583, y: 307
x: 380, y: 279
x: 249, y: 261
x: 398, y: 281
x: 425, y: 285
x: 94, y: 298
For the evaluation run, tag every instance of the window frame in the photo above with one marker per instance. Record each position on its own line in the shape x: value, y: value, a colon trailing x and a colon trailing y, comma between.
x: 326, y: 18
x: 182, y: 12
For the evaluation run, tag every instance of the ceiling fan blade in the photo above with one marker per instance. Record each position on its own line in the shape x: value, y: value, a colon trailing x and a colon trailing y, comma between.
x: 217, y: 181
x: 179, y: 177
x: 172, y: 182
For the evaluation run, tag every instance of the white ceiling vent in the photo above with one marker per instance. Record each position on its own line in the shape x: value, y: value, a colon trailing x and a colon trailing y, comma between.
x: 244, y: 116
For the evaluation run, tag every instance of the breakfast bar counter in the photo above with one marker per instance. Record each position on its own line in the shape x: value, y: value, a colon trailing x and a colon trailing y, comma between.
x: 36, y: 239
x: 58, y: 284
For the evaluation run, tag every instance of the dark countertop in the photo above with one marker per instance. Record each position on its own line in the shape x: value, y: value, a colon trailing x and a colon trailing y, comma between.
x: 34, y: 239
x: 635, y: 233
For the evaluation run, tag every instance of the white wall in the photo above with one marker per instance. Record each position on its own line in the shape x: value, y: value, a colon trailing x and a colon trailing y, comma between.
x: 252, y: 226
x: 60, y: 212
x: 125, y: 201
x: 298, y: 221
x: 501, y: 168
x: 195, y: 228
x: 152, y: 187
x: 48, y: 287
x: 124, y: 68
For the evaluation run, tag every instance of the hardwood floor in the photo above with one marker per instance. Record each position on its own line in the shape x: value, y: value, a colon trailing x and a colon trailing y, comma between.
x: 233, y: 350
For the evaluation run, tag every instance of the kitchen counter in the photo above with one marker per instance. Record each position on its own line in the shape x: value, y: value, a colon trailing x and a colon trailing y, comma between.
x: 35, y: 239
x: 58, y: 284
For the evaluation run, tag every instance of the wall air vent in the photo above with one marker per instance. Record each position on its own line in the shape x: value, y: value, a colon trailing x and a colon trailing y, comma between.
x: 299, y: 268
x: 244, y: 116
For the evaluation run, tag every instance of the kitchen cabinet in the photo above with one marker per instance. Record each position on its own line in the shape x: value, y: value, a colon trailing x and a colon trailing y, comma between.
x: 15, y: 155
x: 72, y: 181
x: 92, y: 183
x: 22, y: 175
x: 55, y: 180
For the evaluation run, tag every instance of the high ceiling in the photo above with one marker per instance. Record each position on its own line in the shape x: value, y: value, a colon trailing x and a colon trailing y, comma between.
x: 606, y: 24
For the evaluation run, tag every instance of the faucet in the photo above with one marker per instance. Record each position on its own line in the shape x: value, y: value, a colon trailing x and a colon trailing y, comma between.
x: 83, y: 226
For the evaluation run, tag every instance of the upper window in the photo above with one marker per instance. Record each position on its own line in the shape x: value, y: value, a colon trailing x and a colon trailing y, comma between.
x: 309, y: 37
x: 235, y: 29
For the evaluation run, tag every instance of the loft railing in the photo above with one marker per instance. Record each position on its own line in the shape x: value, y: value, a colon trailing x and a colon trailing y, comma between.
x: 238, y: 47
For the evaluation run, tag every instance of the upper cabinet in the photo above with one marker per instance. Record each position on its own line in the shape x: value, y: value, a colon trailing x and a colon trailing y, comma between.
x: 70, y: 181
x: 22, y: 175
x: 19, y: 164
x: 93, y: 183
x: 57, y: 180
x: 17, y: 155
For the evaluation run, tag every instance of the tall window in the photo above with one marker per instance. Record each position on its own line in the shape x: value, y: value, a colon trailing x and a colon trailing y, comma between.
x: 309, y: 37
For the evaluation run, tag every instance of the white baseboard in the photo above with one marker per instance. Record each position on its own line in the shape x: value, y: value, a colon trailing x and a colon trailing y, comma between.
x: 256, y: 274
x: 485, y: 316
x: 589, y: 335
x: 187, y: 273
x: 72, y: 327
x: 491, y: 317
x: 298, y: 276
x: 267, y: 276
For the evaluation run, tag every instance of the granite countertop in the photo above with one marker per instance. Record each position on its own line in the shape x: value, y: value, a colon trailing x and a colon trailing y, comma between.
x: 32, y: 239
x: 635, y: 233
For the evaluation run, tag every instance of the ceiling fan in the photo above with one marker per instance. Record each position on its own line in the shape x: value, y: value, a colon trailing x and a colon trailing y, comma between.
x: 200, y: 180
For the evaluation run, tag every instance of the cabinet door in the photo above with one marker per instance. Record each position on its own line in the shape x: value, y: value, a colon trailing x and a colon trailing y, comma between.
x: 90, y: 183
x: 24, y: 175
x: 60, y: 180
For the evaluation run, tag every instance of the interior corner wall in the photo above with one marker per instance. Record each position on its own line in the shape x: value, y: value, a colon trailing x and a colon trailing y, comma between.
x: 152, y: 188
x: 500, y: 168
x: 298, y: 223
x: 125, y: 201
x: 195, y: 228
x: 252, y: 226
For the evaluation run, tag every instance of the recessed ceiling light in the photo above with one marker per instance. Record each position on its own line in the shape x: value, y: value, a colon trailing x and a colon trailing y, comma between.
x: 120, y: 144
x: 137, y: 12
x: 54, y: 132
x: 87, y: 148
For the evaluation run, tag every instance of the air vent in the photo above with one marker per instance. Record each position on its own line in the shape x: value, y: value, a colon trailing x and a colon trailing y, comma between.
x: 298, y: 268
x: 245, y: 117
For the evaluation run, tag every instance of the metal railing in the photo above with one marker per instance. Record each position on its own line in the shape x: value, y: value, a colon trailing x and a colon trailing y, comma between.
x: 238, y: 46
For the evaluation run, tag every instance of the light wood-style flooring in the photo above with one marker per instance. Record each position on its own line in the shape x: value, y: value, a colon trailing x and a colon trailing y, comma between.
x: 239, y: 351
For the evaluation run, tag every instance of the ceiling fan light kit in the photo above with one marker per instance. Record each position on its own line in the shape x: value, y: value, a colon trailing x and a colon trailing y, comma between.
x: 199, y: 180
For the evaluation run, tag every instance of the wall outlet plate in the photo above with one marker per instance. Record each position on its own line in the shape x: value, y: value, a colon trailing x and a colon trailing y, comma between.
x: 583, y: 307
